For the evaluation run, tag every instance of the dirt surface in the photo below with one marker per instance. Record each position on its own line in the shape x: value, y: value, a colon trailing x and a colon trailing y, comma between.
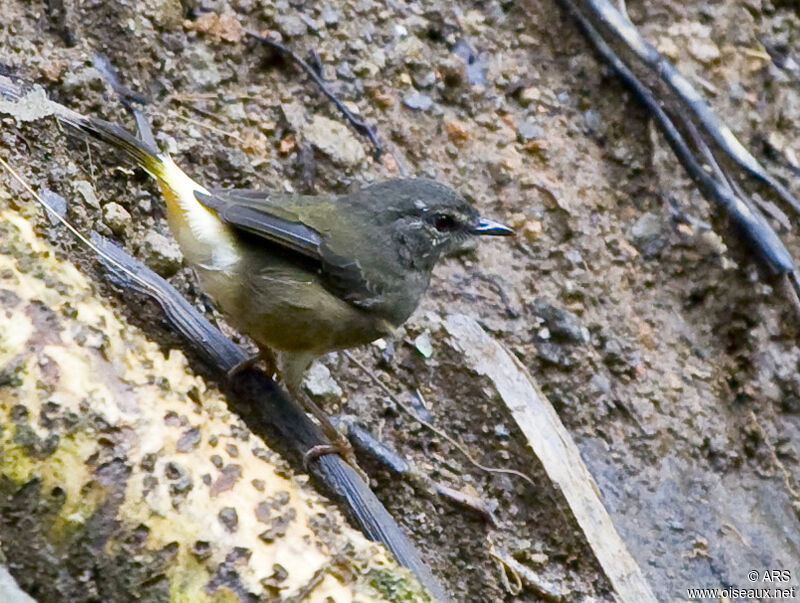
x: 672, y: 363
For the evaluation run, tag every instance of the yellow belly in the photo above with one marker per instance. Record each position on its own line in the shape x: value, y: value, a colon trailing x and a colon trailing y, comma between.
x: 291, y: 312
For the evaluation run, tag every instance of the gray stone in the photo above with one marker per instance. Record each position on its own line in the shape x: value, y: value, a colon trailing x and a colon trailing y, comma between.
x: 55, y: 202
x: 424, y: 79
x: 476, y: 63
x: 116, y: 217
x: 736, y: 92
x: 203, y: 71
x: 648, y: 225
x: 229, y: 518
x: 330, y: 15
x: 423, y: 344
x: 320, y: 384
x: 600, y: 383
x: 235, y: 111
x: 86, y: 190
x: 161, y: 253
x: 646, y: 234
x: 290, y: 25
x: 502, y: 432
x: 417, y: 100
x: 554, y: 354
x: 529, y: 130
x: 563, y: 325
x: 335, y: 140
x: 592, y: 121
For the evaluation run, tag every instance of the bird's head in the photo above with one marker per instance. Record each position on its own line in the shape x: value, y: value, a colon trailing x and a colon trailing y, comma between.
x: 428, y: 218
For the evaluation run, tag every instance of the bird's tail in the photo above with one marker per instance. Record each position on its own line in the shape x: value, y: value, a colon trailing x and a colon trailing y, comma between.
x: 203, y: 237
x: 141, y: 153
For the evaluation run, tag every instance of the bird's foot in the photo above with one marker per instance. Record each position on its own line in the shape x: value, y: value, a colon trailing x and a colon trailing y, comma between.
x: 343, y: 448
x: 265, y: 355
x: 243, y: 366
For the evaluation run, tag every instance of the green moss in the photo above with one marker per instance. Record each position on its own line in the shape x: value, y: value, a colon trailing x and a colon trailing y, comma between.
x: 57, y: 463
x: 394, y: 585
x: 15, y: 463
x: 187, y: 579
x: 179, y: 594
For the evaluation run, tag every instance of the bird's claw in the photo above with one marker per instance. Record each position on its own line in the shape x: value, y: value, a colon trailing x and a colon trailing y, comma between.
x: 343, y: 449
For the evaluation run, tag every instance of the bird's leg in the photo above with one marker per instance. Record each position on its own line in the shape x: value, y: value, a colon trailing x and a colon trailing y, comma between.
x: 292, y: 368
x: 339, y: 443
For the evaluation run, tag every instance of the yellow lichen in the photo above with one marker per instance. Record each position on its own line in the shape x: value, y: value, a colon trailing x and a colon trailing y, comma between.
x: 15, y: 330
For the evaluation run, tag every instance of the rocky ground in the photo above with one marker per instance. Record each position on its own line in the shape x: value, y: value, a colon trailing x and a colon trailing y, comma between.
x: 672, y: 363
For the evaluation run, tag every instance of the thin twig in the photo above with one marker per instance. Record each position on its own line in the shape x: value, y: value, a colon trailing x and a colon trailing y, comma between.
x: 604, y: 12
x: 751, y: 224
x: 91, y: 163
x: 360, y: 125
x: 203, y: 112
x: 790, y: 285
x: 723, y: 179
x: 368, y: 444
x: 409, y: 411
x: 494, y: 282
x: 200, y: 124
x: 546, y: 589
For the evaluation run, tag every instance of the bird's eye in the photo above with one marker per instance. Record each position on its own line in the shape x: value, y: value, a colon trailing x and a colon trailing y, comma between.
x: 444, y: 223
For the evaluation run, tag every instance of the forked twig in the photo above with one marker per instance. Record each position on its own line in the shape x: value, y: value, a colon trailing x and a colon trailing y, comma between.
x: 749, y: 221
x: 604, y: 12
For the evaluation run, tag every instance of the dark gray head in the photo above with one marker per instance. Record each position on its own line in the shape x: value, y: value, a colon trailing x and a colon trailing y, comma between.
x: 426, y: 218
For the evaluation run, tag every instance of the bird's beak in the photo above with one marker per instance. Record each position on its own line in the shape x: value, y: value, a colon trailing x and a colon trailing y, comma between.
x: 486, y: 226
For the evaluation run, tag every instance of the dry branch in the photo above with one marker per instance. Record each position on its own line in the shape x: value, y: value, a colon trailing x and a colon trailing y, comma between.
x: 604, y: 12
x: 748, y: 220
x: 555, y: 449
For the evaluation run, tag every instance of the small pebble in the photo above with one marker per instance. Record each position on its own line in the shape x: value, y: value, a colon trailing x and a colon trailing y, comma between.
x: 290, y: 25
x: 419, y: 101
x: 116, y: 217
x: 161, y: 253
x: 319, y: 382
x: 529, y: 130
x: 424, y: 345
x: 86, y: 190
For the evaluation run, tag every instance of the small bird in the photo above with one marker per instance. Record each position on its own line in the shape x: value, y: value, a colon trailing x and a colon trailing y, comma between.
x: 303, y: 275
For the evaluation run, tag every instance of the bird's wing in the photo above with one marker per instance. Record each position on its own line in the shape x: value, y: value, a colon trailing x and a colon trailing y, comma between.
x: 257, y: 213
x: 283, y: 220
